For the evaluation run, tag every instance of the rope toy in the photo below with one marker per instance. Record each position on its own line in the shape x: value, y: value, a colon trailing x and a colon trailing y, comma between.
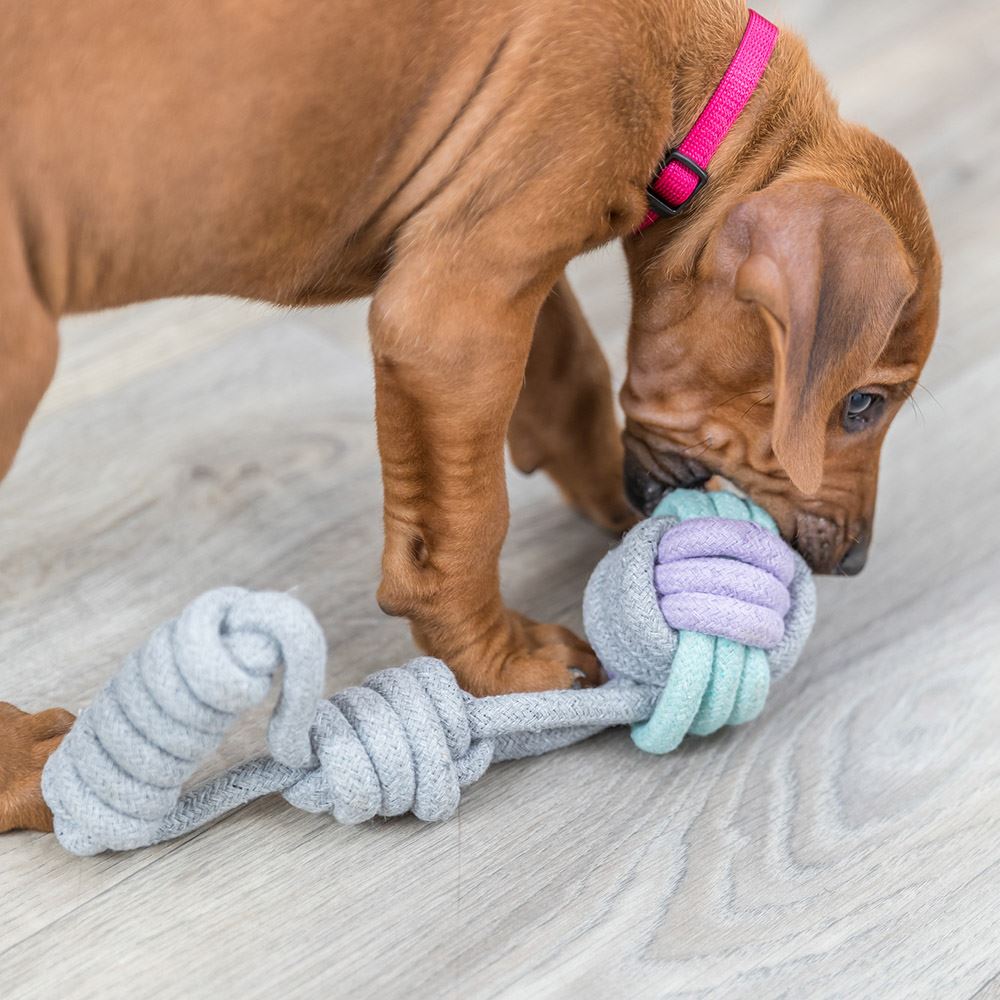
x: 693, y: 615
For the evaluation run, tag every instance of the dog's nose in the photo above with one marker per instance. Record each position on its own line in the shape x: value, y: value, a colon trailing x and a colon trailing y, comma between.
x: 855, y: 558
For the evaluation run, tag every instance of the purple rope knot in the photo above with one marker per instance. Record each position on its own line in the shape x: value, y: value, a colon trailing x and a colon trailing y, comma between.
x: 725, y: 578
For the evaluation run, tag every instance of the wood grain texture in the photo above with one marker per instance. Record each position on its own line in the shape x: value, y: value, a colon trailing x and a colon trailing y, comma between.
x: 845, y: 845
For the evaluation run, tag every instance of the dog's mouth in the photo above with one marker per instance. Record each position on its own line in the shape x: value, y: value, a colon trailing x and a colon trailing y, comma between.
x: 651, y: 474
x: 647, y: 482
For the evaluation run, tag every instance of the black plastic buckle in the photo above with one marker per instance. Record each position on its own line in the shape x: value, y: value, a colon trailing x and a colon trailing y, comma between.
x: 656, y: 202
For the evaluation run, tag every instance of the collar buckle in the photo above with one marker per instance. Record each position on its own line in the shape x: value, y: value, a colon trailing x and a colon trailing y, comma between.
x: 662, y: 208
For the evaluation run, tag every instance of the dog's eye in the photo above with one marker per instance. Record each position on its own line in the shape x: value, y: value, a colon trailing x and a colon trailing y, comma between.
x: 858, y: 402
x: 861, y: 409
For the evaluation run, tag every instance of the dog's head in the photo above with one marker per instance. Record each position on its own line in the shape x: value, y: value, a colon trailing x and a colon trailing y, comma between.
x: 779, y: 360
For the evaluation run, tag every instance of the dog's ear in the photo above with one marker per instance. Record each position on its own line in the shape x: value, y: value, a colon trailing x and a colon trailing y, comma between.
x: 829, y: 276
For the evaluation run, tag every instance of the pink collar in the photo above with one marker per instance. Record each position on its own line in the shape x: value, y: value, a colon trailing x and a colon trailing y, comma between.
x: 682, y: 172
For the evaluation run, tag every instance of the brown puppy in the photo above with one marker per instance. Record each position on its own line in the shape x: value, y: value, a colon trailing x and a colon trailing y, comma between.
x: 450, y: 157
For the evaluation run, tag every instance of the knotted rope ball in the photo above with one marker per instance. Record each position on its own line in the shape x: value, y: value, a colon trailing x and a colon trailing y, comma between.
x: 693, y: 616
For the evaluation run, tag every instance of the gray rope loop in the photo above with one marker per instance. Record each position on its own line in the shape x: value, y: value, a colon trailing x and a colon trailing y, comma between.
x: 121, y: 767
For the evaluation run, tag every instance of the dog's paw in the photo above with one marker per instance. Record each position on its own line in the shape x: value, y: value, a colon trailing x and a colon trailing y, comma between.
x: 537, y: 657
x: 26, y: 743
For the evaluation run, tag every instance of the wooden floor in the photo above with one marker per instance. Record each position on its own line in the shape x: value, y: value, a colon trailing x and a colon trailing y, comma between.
x: 845, y: 845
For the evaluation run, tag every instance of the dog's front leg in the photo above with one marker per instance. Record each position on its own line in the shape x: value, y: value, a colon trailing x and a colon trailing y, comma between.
x: 450, y: 357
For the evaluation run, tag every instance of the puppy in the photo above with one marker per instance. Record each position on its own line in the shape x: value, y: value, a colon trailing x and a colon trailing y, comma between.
x: 449, y: 158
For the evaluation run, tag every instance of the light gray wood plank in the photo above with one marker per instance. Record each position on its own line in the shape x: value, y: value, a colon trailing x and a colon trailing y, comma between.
x: 845, y: 845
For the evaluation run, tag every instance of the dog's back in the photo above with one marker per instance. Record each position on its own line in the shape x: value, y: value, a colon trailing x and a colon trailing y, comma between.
x: 220, y: 147
x: 261, y: 134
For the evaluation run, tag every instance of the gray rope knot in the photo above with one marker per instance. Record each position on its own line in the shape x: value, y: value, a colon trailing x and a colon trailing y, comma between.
x: 400, y: 743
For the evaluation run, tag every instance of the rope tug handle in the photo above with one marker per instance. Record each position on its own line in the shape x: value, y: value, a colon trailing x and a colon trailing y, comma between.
x: 122, y: 766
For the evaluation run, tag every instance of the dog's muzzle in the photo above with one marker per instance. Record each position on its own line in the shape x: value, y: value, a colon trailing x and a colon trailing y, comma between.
x: 818, y: 539
x: 645, y: 487
x: 821, y: 543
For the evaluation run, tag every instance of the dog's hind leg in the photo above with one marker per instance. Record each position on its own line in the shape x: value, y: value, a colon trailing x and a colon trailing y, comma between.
x: 29, y: 347
x: 565, y: 421
x: 26, y: 743
x: 28, y: 350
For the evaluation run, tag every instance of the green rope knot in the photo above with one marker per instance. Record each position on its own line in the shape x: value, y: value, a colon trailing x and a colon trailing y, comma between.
x: 713, y: 681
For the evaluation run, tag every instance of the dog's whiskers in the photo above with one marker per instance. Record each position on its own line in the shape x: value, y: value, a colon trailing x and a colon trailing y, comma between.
x: 704, y: 445
x: 736, y: 395
x: 766, y: 396
x: 920, y: 385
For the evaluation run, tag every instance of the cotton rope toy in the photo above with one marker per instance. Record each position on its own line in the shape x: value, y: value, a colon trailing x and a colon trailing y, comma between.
x: 693, y: 615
